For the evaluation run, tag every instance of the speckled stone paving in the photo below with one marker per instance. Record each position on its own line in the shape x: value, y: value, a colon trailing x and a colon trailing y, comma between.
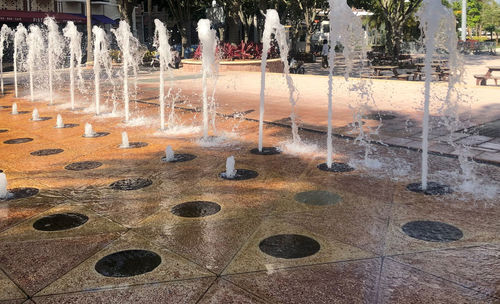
x: 290, y: 234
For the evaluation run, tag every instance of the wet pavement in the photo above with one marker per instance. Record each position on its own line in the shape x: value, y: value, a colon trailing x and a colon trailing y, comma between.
x: 112, y: 225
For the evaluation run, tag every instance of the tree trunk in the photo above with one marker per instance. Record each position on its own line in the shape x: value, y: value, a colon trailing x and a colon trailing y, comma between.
x: 308, y: 41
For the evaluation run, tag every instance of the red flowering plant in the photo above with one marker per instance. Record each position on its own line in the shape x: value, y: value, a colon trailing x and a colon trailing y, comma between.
x: 242, y: 51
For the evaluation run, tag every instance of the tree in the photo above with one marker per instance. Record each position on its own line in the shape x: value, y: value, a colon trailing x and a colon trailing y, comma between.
x: 490, y: 18
x: 474, y: 8
x: 126, y: 8
x: 304, y: 12
x: 183, y: 12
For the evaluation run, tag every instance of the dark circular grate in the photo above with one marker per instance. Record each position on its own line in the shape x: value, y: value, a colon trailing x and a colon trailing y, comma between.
x: 196, y: 209
x: 289, y: 246
x: 60, y: 221
x: 41, y: 119
x: 21, y: 112
x: 46, y: 152
x: 241, y: 174
x: 266, y: 151
x: 67, y: 126
x: 18, y: 141
x: 135, y: 144
x: 128, y: 263
x: 336, y: 167
x: 18, y: 193
x: 97, y: 134
x: 178, y: 158
x: 432, y: 231
x: 380, y: 116
x: 83, y: 165
x: 317, y: 198
x: 131, y: 184
x: 5, y: 107
x: 432, y: 188
x: 3, y: 130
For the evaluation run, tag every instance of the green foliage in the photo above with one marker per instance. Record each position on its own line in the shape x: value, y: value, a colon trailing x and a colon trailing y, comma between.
x: 474, y: 9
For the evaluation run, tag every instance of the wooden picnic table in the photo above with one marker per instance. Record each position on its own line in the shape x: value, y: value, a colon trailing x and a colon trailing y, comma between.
x: 481, y: 79
x: 379, y: 68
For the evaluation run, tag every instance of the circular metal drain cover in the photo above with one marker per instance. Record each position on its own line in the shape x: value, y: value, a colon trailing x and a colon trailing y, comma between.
x: 97, y: 134
x: 241, y: 174
x: 5, y: 107
x: 432, y: 231
x: 21, y: 112
x: 380, y: 116
x: 41, y: 119
x: 18, y: 193
x: 178, y: 158
x: 336, y: 167
x: 83, y: 165
x: 289, y: 246
x: 128, y: 263
x: 432, y: 188
x: 60, y: 221
x: 135, y: 144
x: 196, y: 209
x: 67, y: 126
x: 317, y: 198
x: 3, y: 130
x: 131, y: 184
x: 266, y: 151
x: 18, y: 141
x: 45, y: 152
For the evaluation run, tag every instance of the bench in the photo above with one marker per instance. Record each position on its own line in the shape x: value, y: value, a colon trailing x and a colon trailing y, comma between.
x: 375, y: 76
x: 403, y: 76
x: 481, y: 79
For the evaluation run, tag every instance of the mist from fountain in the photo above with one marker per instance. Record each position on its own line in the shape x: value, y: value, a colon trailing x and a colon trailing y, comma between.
x: 55, y: 47
x: 14, y: 109
x: 165, y: 57
x: 101, y: 59
x: 75, y: 57
x: 208, y: 41
x: 5, y: 32
x: 19, y: 47
x: 129, y: 46
x: 36, y: 45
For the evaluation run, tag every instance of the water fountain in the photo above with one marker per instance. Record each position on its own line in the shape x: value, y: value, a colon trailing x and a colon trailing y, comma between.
x: 101, y: 59
x: 165, y: 57
x: 4, y: 193
x: 36, y: 45
x: 75, y: 51
x: 5, y: 32
x: 129, y: 46
x: 169, y: 154
x: 208, y: 42
x: 59, y: 122
x: 14, y: 109
x: 230, y: 171
x: 89, y: 132
x: 55, y: 46
x: 125, y: 144
x: 35, y: 116
x: 273, y: 26
x: 434, y: 17
x: 19, y: 47
x: 344, y: 26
